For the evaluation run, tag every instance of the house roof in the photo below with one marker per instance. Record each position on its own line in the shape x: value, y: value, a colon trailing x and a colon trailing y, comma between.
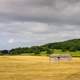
x: 56, y: 55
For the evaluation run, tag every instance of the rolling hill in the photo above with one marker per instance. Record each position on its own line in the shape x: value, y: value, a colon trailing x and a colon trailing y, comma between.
x: 69, y: 45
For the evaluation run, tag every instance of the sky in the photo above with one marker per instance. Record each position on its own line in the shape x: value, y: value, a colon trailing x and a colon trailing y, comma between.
x: 36, y: 22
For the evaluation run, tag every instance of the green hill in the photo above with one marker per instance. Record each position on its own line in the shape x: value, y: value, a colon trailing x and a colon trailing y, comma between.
x: 71, y: 46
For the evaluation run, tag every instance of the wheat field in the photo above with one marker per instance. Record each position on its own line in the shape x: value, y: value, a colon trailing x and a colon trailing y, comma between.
x: 38, y: 68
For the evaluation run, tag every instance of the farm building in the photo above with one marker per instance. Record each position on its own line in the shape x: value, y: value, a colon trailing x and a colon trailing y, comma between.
x: 60, y: 57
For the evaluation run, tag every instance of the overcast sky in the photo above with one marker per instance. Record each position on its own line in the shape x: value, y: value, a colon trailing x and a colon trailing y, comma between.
x: 36, y: 22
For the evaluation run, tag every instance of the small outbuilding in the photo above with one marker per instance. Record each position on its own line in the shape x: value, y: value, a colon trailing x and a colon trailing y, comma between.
x: 60, y: 57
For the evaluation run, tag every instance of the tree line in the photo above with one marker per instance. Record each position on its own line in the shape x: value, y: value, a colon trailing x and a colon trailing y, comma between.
x: 70, y: 45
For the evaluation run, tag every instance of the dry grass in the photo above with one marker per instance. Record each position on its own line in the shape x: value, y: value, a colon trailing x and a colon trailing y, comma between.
x: 37, y: 68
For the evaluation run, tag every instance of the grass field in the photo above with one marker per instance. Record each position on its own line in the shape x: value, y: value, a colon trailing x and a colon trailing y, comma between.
x: 37, y: 68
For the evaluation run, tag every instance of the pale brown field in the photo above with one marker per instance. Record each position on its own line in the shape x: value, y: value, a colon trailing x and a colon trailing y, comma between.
x: 37, y: 68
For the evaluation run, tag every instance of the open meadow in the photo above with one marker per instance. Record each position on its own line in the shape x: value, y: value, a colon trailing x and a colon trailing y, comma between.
x: 38, y: 68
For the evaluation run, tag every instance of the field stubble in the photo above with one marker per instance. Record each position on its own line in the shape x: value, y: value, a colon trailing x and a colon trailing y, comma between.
x: 37, y: 68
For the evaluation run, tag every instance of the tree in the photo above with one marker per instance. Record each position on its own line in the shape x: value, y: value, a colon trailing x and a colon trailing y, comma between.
x: 49, y: 51
x: 4, y: 52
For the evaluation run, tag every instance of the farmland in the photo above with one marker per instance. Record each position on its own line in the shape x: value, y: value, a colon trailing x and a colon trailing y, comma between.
x: 37, y: 68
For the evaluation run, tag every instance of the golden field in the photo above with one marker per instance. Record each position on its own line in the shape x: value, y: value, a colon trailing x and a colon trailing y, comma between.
x: 38, y: 68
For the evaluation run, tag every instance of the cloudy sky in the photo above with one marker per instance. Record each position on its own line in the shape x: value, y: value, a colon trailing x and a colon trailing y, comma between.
x: 36, y: 22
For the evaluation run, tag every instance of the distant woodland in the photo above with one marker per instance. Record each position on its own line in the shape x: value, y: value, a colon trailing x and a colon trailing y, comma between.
x: 71, y: 46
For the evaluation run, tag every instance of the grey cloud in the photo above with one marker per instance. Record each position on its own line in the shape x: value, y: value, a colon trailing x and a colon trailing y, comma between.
x: 49, y: 11
x: 32, y: 22
x: 35, y: 28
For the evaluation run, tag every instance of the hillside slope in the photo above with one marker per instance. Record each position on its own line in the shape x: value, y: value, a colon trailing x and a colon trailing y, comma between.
x: 69, y: 45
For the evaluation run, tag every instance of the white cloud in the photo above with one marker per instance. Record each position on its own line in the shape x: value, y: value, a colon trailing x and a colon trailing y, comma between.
x: 11, y: 41
x: 38, y: 27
